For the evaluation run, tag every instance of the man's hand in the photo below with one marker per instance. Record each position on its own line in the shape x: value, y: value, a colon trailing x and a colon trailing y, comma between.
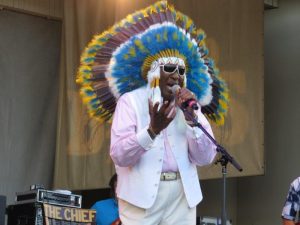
x: 182, y: 96
x: 160, y: 119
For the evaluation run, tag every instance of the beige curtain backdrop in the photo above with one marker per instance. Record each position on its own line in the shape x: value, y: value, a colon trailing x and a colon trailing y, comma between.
x: 45, y: 8
x: 234, y: 31
x: 29, y: 84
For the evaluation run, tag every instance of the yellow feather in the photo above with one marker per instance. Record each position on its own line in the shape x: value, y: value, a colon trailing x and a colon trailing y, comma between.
x: 223, y: 104
x: 165, y: 35
x: 152, y: 83
x: 140, y: 45
x: 226, y: 95
x: 189, y: 22
x: 129, y: 18
x: 220, y: 121
x: 132, y: 52
x: 79, y: 80
x: 156, y: 82
x: 158, y: 38
x: 175, y: 36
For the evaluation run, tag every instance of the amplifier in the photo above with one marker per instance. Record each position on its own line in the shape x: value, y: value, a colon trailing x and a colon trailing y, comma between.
x: 2, y: 209
x: 51, y: 197
x: 25, y: 214
x: 48, y: 214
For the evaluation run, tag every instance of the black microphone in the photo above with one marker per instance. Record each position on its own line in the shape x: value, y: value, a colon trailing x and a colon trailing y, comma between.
x: 188, y: 103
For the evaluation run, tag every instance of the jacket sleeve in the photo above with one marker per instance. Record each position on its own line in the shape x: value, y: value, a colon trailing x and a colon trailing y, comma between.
x: 127, y: 145
x: 201, y: 150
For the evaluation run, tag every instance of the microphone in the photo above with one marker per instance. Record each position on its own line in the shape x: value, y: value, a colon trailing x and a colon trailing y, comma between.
x: 192, y: 103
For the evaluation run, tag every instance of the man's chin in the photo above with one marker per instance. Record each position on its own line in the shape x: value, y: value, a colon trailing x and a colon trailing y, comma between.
x: 169, y: 97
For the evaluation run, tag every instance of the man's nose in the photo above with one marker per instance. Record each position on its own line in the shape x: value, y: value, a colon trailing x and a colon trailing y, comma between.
x: 175, y: 75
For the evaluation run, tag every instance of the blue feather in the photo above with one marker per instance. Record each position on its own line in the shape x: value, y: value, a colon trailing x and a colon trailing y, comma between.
x: 127, y: 68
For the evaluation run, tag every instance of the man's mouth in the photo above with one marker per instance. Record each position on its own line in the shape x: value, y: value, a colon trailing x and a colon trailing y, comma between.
x: 170, y: 87
x: 171, y: 84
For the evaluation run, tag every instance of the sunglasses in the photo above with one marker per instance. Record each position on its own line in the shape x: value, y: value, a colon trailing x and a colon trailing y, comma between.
x: 170, y: 69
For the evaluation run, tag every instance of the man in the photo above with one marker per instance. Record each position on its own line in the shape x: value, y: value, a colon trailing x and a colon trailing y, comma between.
x: 149, y: 71
x: 156, y: 152
x: 290, y: 212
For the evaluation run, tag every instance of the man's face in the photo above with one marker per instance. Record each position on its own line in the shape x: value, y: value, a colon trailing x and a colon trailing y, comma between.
x: 170, y: 76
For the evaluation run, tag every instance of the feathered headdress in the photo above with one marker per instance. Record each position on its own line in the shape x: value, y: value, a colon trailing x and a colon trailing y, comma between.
x: 118, y: 61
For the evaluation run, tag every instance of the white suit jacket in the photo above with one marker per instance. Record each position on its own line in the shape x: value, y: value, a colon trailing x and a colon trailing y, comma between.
x: 138, y: 183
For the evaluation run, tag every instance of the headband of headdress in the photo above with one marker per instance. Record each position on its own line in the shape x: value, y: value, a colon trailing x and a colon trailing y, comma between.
x: 123, y: 59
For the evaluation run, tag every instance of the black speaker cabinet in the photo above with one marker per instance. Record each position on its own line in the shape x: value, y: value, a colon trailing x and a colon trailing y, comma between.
x: 25, y: 214
x: 43, y: 213
x: 2, y: 209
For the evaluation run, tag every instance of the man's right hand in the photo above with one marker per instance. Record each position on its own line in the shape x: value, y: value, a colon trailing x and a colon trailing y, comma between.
x: 161, y: 118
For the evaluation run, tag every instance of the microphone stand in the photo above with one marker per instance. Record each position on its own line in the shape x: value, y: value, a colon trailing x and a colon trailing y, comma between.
x: 225, y: 158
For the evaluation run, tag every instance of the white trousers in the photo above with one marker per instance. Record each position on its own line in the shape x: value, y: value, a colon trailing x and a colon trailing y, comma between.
x: 169, y: 208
